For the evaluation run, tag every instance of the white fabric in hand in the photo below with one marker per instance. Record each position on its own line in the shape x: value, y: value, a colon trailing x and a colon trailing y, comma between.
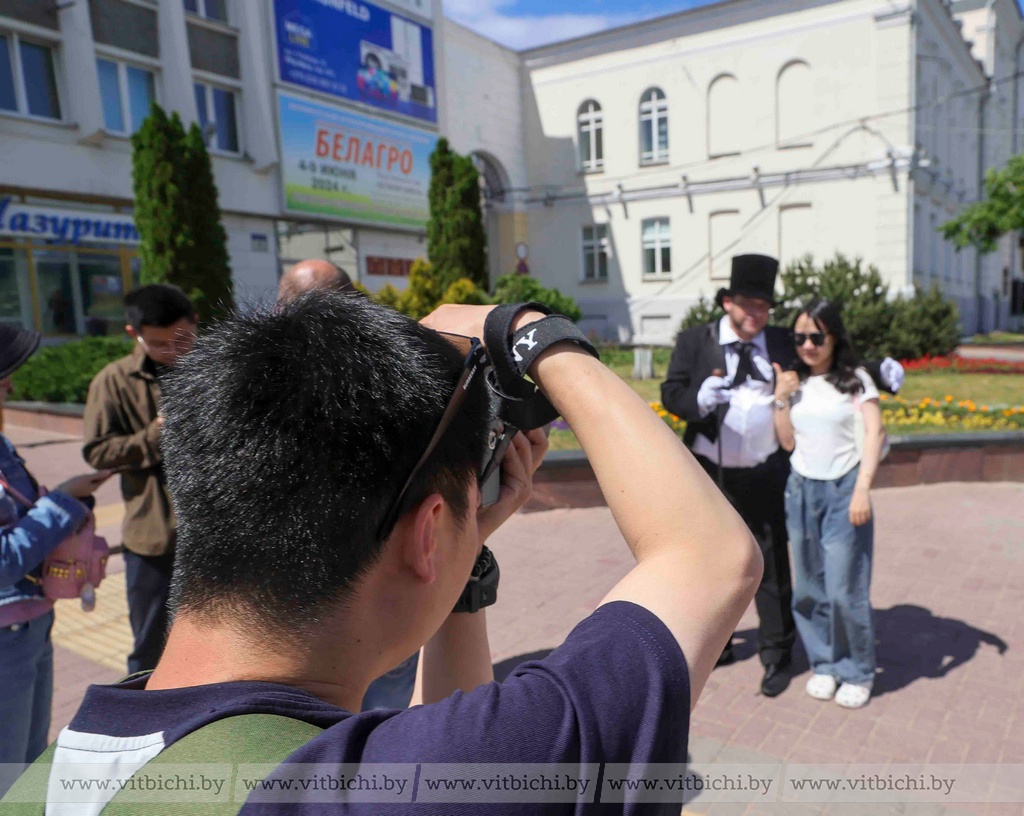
x: 892, y: 373
x: 714, y: 391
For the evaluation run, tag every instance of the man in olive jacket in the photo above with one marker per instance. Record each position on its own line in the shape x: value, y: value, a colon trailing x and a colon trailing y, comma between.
x: 122, y: 431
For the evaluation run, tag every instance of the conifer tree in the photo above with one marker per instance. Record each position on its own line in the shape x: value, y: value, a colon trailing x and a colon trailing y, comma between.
x: 161, y: 198
x: 456, y: 239
x: 177, y: 213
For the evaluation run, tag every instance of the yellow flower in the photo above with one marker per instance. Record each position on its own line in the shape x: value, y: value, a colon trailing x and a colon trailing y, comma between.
x: 949, y: 397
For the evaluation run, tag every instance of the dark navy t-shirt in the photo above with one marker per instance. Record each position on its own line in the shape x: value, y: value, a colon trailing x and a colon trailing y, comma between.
x: 616, y: 691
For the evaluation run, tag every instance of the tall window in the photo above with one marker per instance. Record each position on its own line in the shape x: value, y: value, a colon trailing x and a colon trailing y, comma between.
x: 127, y: 93
x: 657, y: 248
x: 217, y: 117
x: 210, y: 9
x: 590, y: 132
x: 595, y: 253
x: 28, y: 79
x: 653, y: 127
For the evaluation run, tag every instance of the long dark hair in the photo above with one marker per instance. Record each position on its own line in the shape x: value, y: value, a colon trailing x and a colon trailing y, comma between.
x: 843, y: 374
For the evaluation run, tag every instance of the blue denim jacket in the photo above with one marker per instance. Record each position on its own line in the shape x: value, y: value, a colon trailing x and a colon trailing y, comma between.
x: 27, y: 535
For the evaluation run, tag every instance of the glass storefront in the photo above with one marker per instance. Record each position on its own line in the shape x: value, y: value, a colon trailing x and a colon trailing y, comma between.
x: 62, y: 289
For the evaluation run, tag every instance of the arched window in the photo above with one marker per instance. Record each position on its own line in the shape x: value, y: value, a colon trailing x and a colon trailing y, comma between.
x: 590, y: 135
x: 794, y: 95
x: 725, y: 119
x: 653, y: 127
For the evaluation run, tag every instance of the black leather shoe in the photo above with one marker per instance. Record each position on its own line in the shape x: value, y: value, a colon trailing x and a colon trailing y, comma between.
x: 727, y: 657
x: 776, y: 679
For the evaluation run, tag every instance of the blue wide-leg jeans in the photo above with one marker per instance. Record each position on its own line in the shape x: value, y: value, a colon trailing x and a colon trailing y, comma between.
x: 832, y: 577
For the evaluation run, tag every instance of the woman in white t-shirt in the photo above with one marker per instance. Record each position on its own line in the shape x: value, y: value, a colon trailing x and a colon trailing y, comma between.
x: 828, y: 509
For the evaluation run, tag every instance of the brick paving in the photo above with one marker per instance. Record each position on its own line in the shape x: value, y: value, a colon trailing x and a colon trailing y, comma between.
x: 948, y: 593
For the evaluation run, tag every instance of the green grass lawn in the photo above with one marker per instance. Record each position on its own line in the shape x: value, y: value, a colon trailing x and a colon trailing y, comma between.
x: 983, y: 389
x: 997, y: 337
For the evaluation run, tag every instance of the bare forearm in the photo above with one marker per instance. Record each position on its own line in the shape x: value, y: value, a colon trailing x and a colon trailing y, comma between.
x: 784, y: 428
x: 457, y: 657
x: 873, y: 439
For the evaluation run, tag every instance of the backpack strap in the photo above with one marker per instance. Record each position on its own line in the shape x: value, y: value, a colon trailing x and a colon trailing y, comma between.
x: 223, y: 745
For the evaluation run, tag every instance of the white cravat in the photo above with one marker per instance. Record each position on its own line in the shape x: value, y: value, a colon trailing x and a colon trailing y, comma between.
x: 748, y: 432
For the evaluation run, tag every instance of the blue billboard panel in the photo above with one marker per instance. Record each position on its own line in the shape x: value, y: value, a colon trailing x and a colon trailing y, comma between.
x: 357, y: 51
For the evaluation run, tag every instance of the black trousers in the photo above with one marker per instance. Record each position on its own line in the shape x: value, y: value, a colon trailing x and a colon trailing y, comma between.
x: 148, y: 578
x: 758, y: 494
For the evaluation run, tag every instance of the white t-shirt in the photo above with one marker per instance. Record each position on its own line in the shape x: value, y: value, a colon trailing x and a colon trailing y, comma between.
x: 823, y: 425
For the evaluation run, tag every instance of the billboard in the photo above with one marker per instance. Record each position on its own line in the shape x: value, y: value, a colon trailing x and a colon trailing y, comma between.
x: 341, y: 164
x: 359, y: 52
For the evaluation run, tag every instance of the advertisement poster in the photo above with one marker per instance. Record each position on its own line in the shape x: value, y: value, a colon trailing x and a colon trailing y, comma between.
x: 341, y: 164
x: 357, y: 51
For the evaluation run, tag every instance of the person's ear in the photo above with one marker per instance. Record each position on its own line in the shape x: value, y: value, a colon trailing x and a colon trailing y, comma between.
x: 130, y: 331
x: 422, y: 532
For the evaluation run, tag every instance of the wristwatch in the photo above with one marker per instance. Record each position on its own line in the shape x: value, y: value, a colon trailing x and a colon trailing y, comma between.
x: 482, y: 588
x: 781, y: 405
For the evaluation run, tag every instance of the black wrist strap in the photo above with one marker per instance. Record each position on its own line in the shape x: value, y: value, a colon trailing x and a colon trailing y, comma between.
x: 524, y: 406
x: 534, y: 339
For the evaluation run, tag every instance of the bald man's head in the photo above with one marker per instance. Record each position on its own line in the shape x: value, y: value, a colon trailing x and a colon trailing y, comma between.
x: 312, y: 274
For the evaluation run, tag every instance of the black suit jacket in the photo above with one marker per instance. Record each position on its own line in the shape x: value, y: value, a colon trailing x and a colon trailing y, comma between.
x: 698, y: 352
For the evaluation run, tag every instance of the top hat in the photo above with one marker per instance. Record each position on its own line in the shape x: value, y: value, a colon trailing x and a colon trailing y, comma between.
x: 16, y: 346
x: 753, y: 276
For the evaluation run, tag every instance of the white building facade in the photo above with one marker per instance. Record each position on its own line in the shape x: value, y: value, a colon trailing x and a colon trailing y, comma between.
x: 625, y: 168
x: 656, y: 152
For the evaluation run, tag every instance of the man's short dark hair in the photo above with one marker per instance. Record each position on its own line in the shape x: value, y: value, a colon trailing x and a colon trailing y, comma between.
x: 288, y: 435
x: 158, y: 304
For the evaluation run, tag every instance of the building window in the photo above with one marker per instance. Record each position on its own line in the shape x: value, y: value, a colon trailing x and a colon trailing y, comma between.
x: 657, y: 248
x: 210, y: 9
x: 28, y: 79
x: 595, y: 253
x: 127, y: 94
x: 590, y: 134
x: 217, y: 117
x: 653, y: 127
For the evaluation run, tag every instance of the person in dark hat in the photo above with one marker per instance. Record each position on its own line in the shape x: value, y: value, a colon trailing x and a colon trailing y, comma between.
x: 720, y: 380
x: 27, y: 535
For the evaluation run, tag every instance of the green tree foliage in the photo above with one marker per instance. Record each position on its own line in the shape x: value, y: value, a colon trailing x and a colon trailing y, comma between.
x: 456, y: 240
x: 161, y: 198
x: 207, y: 278
x: 878, y: 326
x: 178, y: 215
x: 63, y: 373
x: 983, y: 223
x: 522, y: 288
x: 466, y: 292
x: 703, y: 311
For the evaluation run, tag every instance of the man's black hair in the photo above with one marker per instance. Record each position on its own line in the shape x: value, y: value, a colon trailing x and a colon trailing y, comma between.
x: 288, y: 435
x: 158, y: 304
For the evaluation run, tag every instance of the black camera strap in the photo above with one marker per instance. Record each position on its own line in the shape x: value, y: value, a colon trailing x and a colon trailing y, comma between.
x: 524, y: 405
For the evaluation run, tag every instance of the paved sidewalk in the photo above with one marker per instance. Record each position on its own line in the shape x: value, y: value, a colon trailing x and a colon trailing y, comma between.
x: 948, y: 592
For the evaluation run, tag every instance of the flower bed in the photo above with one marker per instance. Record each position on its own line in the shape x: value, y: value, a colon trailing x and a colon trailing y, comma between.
x: 964, y: 365
x: 900, y: 415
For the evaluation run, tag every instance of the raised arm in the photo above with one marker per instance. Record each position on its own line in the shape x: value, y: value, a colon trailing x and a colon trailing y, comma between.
x: 697, y: 564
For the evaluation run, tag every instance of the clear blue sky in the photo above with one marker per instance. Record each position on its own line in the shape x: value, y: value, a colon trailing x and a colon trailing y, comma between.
x: 527, y: 23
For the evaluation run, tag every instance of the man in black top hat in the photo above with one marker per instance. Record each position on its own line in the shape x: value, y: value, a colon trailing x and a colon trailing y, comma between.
x: 721, y: 381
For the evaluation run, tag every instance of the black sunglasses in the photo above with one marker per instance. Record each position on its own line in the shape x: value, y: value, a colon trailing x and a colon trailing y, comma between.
x: 818, y: 338
x: 476, y: 363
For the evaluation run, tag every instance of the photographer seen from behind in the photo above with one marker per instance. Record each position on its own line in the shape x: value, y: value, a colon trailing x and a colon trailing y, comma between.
x: 325, y: 460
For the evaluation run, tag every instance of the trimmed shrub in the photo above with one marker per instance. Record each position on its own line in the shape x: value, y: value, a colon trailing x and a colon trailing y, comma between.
x: 466, y: 292
x: 522, y: 288
x: 703, y: 311
x: 63, y: 373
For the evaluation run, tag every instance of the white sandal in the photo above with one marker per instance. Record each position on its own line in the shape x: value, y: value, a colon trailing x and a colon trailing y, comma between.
x: 853, y: 695
x: 822, y: 686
